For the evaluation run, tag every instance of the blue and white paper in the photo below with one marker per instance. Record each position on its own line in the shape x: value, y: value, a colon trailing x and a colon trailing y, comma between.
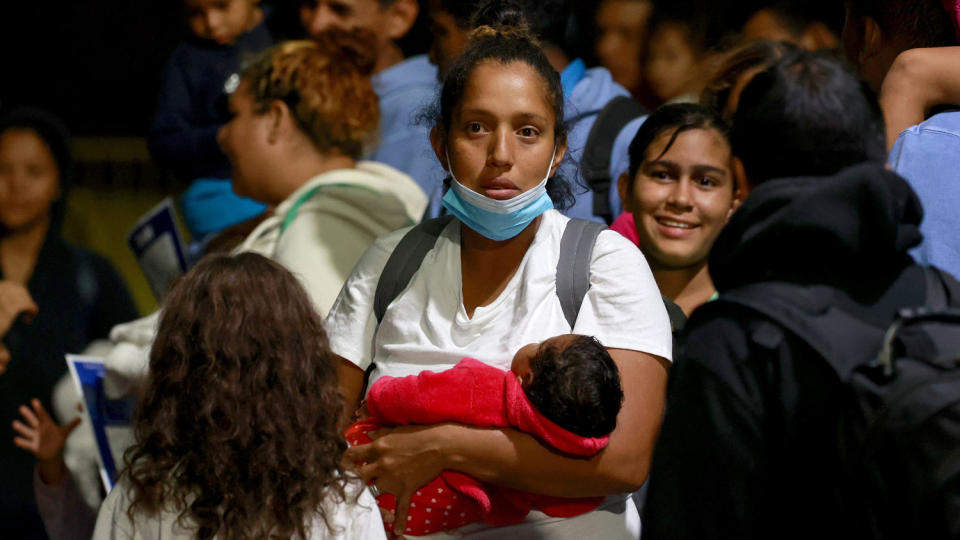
x: 158, y: 247
x: 110, y: 419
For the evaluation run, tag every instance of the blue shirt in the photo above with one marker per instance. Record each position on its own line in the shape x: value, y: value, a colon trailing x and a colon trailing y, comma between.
x: 927, y: 156
x: 590, y: 94
x: 405, y: 91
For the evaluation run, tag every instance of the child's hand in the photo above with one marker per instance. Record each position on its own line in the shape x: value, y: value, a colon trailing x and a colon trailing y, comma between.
x: 42, y: 437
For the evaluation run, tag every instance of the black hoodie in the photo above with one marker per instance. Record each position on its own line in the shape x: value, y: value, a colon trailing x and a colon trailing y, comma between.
x: 748, y: 448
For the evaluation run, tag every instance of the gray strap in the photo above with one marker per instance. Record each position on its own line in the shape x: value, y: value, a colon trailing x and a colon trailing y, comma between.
x: 405, y: 261
x: 573, y: 267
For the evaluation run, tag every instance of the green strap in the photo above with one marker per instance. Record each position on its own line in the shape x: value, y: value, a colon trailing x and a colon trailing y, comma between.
x: 292, y: 213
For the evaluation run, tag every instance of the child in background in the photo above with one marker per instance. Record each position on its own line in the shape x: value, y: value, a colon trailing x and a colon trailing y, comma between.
x: 65, y: 514
x: 237, y: 429
x: 192, y: 107
x: 565, y: 391
x: 682, y: 38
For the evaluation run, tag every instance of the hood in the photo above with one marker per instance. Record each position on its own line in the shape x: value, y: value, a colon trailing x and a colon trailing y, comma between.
x: 591, y: 94
x: 848, y: 230
x: 371, y: 193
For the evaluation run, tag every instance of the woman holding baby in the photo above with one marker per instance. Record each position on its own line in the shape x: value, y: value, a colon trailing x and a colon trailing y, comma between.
x: 488, y: 286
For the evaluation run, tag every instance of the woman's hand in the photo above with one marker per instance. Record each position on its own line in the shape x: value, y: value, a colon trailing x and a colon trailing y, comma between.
x: 400, y: 461
x: 14, y: 301
x: 43, y: 438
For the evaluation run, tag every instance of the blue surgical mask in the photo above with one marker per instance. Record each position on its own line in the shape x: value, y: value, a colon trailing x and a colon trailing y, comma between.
x: 495, y: 219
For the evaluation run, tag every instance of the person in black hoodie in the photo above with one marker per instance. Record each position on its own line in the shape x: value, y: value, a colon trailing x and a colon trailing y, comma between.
x: 748, y: 446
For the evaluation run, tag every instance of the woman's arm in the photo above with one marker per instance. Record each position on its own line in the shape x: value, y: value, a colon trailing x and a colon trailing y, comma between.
x: 404, y: 459
x: 351, y: 380
x: 919, y: 80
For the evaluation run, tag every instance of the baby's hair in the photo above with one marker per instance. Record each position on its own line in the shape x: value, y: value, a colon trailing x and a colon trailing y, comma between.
x: 237, y: 428
x: 577, y: 387
x: 325, y: 83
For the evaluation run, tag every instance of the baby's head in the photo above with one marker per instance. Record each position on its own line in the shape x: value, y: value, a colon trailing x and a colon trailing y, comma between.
x: 222, y: 21
x: 571, y: 380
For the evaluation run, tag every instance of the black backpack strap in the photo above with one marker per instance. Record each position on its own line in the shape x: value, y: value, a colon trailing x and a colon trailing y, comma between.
x: 595, y: 164
x: 573, y: 266
x: 811, y: 314
x: 405, y: 261
x: 943, y: 290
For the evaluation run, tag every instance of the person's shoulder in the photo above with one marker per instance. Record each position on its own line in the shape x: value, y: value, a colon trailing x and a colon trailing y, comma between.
x: 948, y: 122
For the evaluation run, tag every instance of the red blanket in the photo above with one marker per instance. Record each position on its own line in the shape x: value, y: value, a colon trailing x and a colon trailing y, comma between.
x: 480, y: 395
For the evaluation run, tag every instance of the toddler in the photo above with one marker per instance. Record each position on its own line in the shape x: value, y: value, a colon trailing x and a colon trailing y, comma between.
x: 192, y: 106
x: 565, y: 391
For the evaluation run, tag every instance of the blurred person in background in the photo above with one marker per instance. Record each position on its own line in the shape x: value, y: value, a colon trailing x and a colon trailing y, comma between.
x: 811, y: 24
x: 404, y: 79
x: 621, y: 35
x: 56, y: 298
x: 683, y: 39
x: 876, y: 34
x: 192, y: 105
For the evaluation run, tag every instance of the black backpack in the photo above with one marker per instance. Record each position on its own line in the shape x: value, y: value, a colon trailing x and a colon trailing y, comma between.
x: 899, y: 432
x: 595, y: 164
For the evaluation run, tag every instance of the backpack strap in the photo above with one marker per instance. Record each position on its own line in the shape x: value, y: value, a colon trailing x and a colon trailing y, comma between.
x: 595, y: 164
x: 573, y: 266
x: 811, y: 314
x: 943, y: 290
x: 405, y: 261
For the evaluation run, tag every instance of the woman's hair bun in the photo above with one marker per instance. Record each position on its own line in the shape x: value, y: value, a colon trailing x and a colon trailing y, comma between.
x: 499, y: 17
x: 356, y: 48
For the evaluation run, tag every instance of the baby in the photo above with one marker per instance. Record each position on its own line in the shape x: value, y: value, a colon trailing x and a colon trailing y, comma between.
x: 564, y: 391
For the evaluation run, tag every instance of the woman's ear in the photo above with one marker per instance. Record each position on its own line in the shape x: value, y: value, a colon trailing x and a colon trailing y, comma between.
x: 623, y: 188
x: 558, y: 158
x: 872, y: 40
x: 278, y: 118
x: 439, y: 143
x: 742, y: 185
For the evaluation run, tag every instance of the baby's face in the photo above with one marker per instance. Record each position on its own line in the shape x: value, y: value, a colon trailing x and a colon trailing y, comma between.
x: 221, y: 21
x: 521, y: 361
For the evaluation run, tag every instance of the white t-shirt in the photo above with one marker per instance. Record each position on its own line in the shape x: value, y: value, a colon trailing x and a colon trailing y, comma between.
x: 426, y: 326
x: 354, y: 519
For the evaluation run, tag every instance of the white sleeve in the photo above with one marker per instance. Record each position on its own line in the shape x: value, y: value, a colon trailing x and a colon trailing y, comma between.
x: 356, y: 518
x: 623, y: 308
x: 112, y: 520
x: 351, y: 324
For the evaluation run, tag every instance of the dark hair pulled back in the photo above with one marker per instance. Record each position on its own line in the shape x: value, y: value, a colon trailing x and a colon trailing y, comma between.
x: 679, y: 117
x: 505, y: 42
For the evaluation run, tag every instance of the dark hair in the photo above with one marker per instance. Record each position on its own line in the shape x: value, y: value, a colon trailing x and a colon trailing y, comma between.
x: 549, y: 21
x: 506, y: 43
x: 916, y: 23
x: 797, y: 15
x: 707, y: 25
x: 461, y: 10
x: 679, y: 117
x: 326, y: 84
x: 54, y: 133
x: 577, y: 387
x: 760, y: 54
x: 237, y: 429
x: 808, y: 115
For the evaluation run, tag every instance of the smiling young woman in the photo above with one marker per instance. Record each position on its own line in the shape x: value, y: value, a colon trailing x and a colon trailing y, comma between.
x: 488, y: 287
x: 681, y: 190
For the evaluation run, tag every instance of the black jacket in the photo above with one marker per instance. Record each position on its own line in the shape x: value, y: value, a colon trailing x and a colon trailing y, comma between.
x: 747, y: 448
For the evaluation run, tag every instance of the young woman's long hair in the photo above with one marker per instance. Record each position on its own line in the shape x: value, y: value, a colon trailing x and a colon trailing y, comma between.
x: 236, y: 430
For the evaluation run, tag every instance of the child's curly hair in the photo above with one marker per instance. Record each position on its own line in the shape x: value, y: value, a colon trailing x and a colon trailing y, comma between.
x: 325, y: 83
x: 237, y: 427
